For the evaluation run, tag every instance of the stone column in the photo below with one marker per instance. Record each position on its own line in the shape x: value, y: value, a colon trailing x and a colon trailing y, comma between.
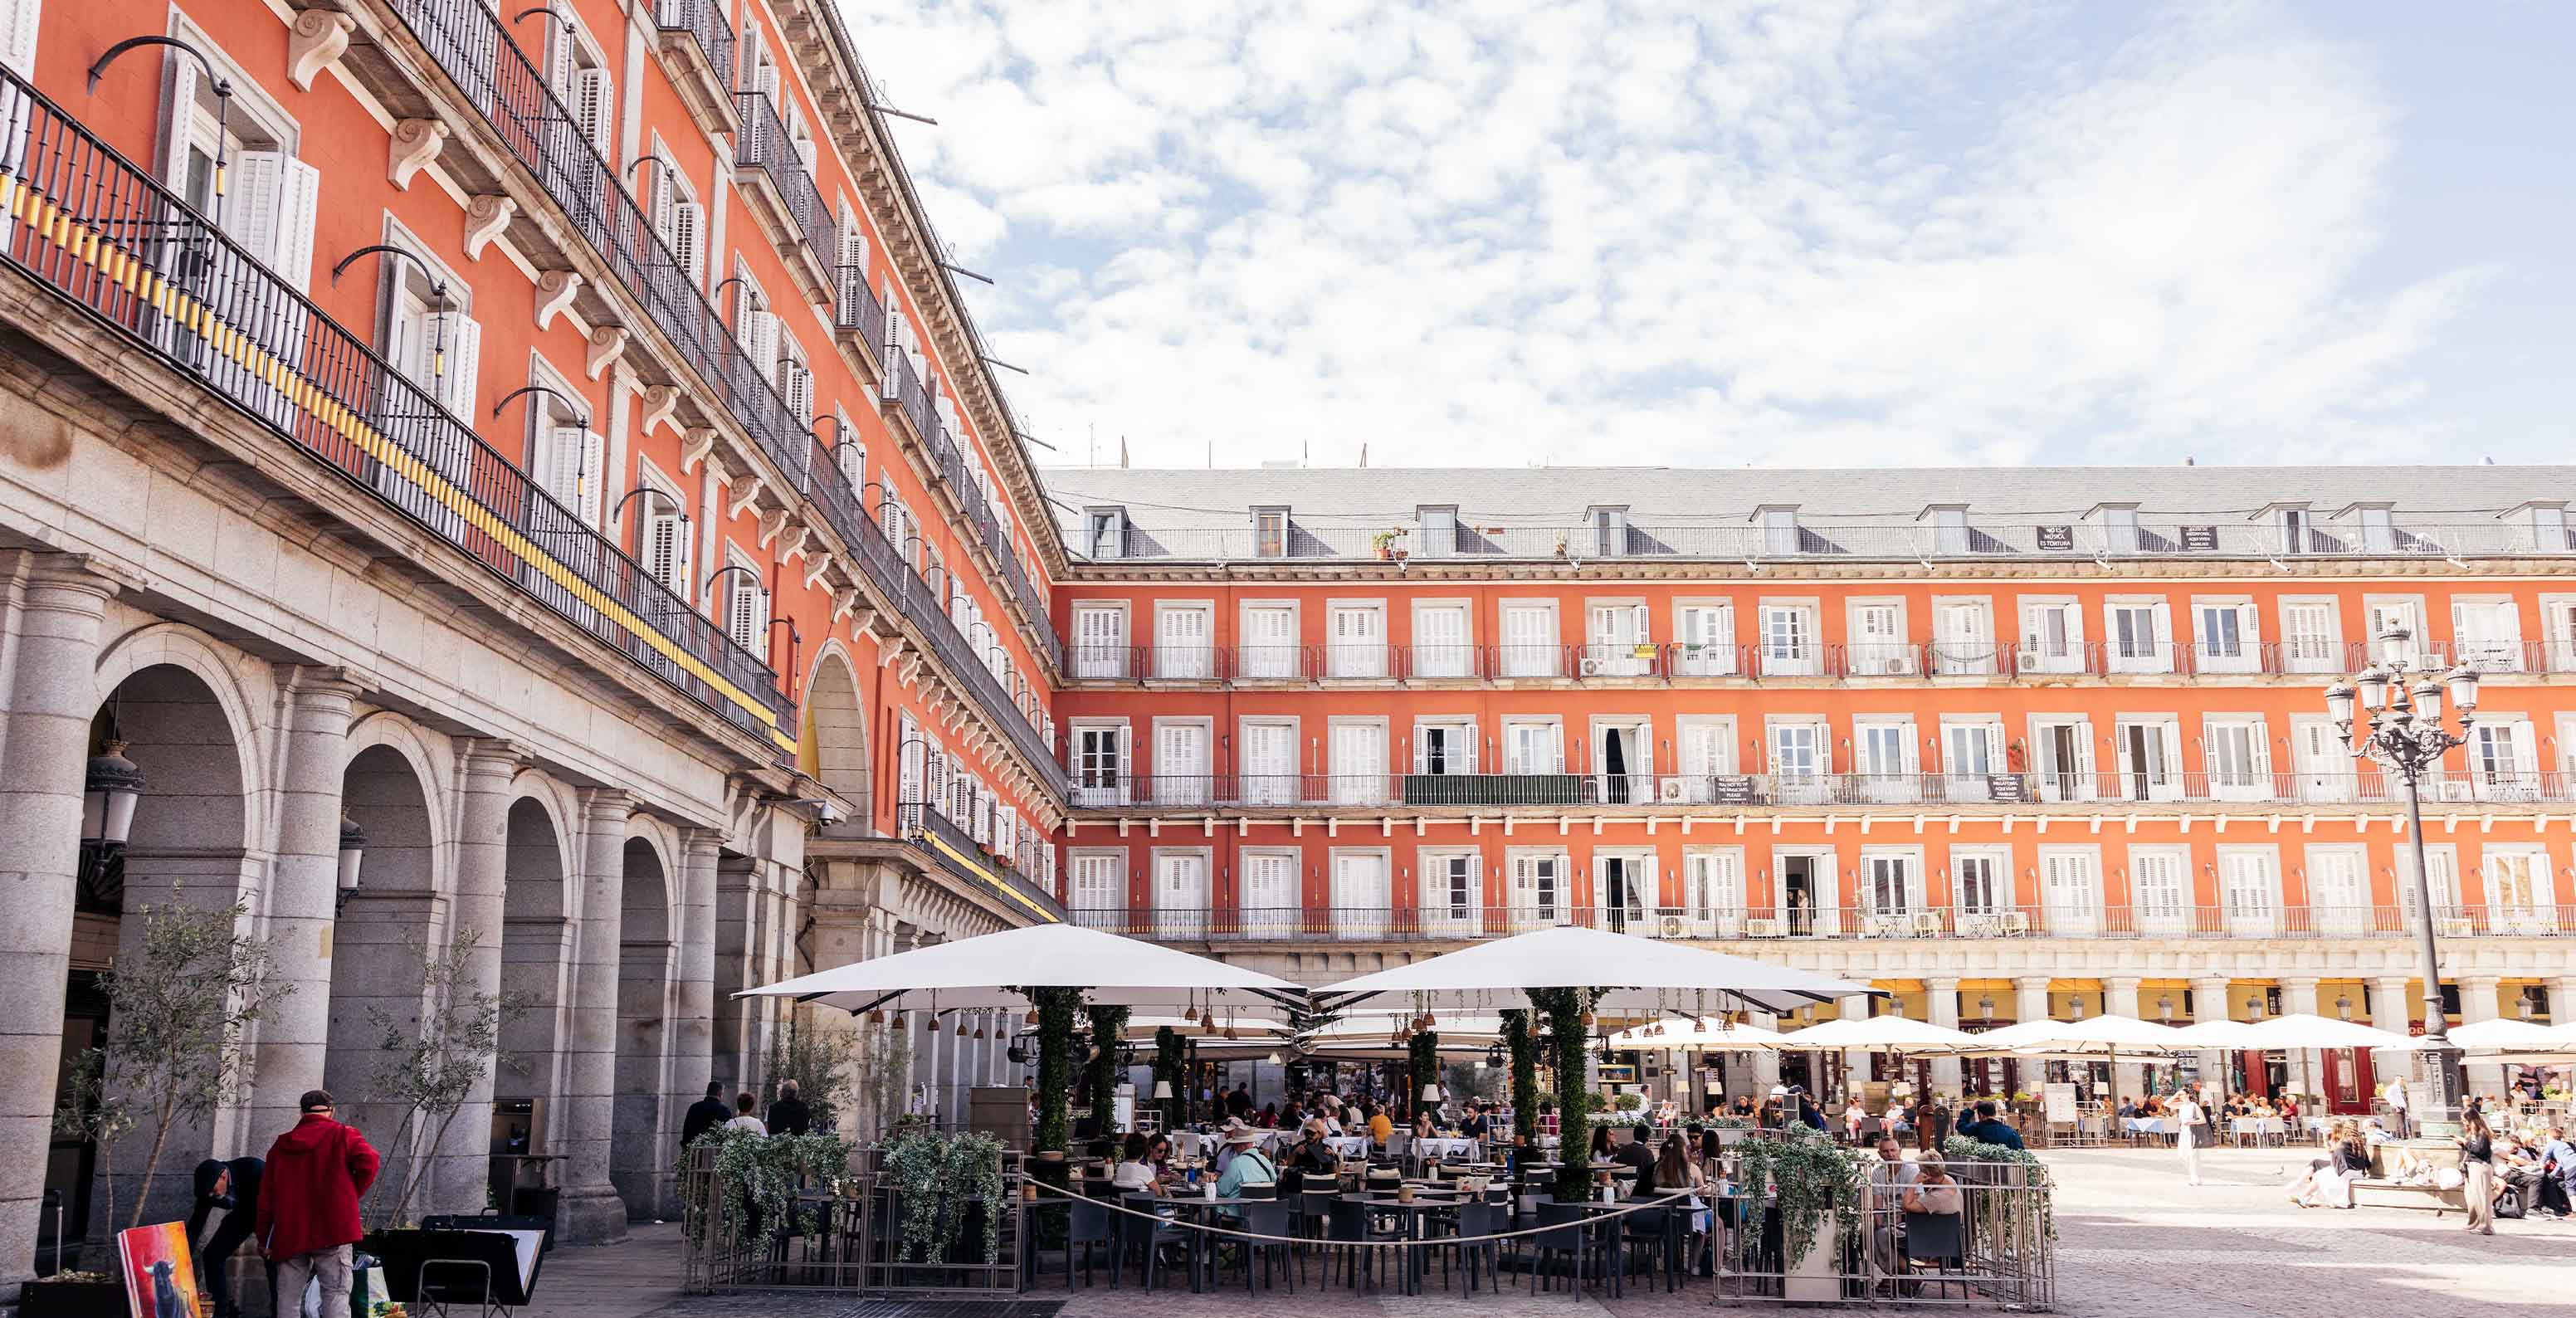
x: 54, y: 604
x: 592, y: 1213
x: 693, y: 1038
x: 1941, y: 997
x: 2478, y: 1003
x: 2209, y: 1003
x: 294, y: 1032
x: 2307, y: 1065
x: 2120, y: 998
x: 2030, y: 998
x: 483, y: 770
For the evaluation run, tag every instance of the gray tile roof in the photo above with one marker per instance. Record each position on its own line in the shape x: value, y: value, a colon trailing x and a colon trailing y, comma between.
x: 1702, y: 511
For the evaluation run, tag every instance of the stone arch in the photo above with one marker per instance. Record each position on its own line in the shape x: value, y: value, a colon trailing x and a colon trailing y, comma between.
x: 833, y: 747
x: 174, y: 703
x: 536, y: 970
x: 384, y: 937
x: 648, y: 951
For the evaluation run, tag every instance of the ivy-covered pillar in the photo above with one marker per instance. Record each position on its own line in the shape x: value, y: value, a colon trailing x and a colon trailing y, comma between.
x: 1564, y: 1009
x: 1167, y: 1075
x: 1056, y: 1009
x: 1523, y: 1047
x: 1108, y: 1029
x: 1422, y: 1060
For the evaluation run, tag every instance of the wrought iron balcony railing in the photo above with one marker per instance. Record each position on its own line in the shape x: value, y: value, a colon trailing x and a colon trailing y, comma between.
x: 1096, y: 788
x: 102, y: 233
x: 1471, y: 920
x: 958, y: 851
x: 765, y: 145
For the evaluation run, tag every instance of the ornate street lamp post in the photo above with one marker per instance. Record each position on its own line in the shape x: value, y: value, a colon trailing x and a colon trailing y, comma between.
x: 2405, y: 735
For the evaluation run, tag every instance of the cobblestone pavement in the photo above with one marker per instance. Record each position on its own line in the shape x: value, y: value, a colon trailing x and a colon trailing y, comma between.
x: 2134, y: 1240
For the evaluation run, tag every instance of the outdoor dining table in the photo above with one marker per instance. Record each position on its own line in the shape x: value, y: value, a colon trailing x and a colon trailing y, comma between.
x: 1348, y: 1146
x: 1202, y: 1247
x: 2257, y: 1127
x: 1414, y: 1211
x: 1434, y: 1148
x: 2143, y: 1125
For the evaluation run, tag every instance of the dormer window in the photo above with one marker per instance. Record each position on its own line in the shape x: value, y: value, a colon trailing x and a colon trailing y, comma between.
x: 1779, y: 527
x: 2119, y: 526
x: 2291, y: 527
x: 1949, y: 527
x: 1269, y: 533
x: 1104, y: 532
x: 2378, y: 527
x: 2546, y: 520
x: 1609, y: 527
x: 1439, y: 523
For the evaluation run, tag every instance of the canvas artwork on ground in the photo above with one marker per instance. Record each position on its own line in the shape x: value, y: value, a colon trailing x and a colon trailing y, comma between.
x: 160, y: 1279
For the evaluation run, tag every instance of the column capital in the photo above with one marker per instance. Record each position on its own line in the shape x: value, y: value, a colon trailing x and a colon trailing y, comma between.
x: 700, y: 845
x: 2119, y: 983
x: 2300, y: 981
x: 322, y: 684
x: 489, y: 755
x: 2031, y: 983
x: 1941, y: 983
x: 2487, y: 982
x: 606, y: 805
x: 69, y: 578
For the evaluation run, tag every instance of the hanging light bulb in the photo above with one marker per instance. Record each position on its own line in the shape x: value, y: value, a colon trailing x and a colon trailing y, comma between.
x: 979, y: 1031
x: 961, y: 1027
x: 930, y: 1024
x: 876, y: 1017
x: 1033, y: 1016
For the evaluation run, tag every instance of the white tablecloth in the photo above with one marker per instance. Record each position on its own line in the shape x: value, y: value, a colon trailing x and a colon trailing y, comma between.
x: 2257, y: 1126
x: 1348, y: 1146
x: 1441, y: 1148
x: 2143, y: 1125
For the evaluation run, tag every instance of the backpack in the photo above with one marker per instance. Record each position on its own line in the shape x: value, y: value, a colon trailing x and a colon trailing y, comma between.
x: 2509, y: 1204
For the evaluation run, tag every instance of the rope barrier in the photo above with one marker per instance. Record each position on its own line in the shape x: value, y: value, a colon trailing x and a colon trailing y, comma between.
x: 1230, y: 1233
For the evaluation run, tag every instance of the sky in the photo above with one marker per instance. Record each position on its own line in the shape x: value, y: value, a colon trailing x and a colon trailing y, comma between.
x: 1821, y: 233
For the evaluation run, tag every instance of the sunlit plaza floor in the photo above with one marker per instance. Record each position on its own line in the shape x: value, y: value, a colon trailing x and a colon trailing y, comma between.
x: 2135, y: 1240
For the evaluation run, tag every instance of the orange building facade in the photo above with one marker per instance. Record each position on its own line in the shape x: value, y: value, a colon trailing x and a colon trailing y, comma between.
x: 2000, y: 742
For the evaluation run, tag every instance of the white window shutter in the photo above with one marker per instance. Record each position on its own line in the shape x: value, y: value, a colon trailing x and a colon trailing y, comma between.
x: 250, y: 212
x: 807, y: 151
x: 463, y: 340
x: 594, y: 477
x: 562, y: 467
x: 178, y: 114
x: 559, y: 58
x: 688, y: 224
x: 594, y: 106
x: 665, y: 540
x: 854, y: 245
x: 299, y: 197
x: 763, y: 344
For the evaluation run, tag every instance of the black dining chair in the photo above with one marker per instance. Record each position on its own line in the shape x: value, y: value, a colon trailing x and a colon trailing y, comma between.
x: 1475, y: 1256
x: 1268, y: 1219
x: 1563, y: 1229
x: 1352, y: 1233
x: 1937, y: 1238
x: 1088, y: 1224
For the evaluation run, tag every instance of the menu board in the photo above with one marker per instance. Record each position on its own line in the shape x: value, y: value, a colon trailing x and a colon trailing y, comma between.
x: 2059, y: 1099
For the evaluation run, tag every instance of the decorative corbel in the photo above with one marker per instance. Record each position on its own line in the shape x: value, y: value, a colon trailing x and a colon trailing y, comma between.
x: 773, y: 525
x: 485, y: 218
x: 695, y: 445
x: 607, y: 344
x: 795, y: 551
x: 416, y: 143
x: 314, y: 43
x: 661, y: 403
x: 845, y: 603
x: 555, y: 290
x: 751, y: 492
x: 816, y: 564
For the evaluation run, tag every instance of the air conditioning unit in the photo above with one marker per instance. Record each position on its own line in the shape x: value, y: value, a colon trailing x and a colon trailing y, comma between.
x: 1669, y: 791
x: 2025, y: 661
x: 1595, y: 667
x: 1672, y: 923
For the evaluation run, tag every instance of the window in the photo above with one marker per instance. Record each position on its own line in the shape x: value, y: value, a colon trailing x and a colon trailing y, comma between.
x: 2504, y: 760
x: 1609, y: 528
x: 1538, y: 889
x: 1180, y: 894
x: 1529, y: 640
x: 2249, y: 887
x: 853, y: 267
x: 2150, y: 754
x: 2070, y: 890
x: 2338, y: 889
x: 1183, y: 651
x: 2518, y: 889
x: 1706, y: 749
x: 1362, y: 895
x: 1878, y: 646
x: 1963, y: 637
x: 1355, y: 642
x: 664, y: 537
x: 1704, y: 637
x: 2137, y: 633
x: 1884, y: 754
x: 1099, y: 764
x: 2442, y: 875
x: 1269, y: 905
x: 1800, y: 759
x: 1452, y: 894
x: 2396, y: 614
x: 1443, y: 747
x: 2239, y: 758
x: 2291, y: 524
x: 1891, y: 885
x: 1268, y: 649
x: 1440, y: 644
x: 2120, y: 528
x: 1099, y: 896
x: 1531, y: 747
x: 1713, y: 891
x: 2558, y: 616
x: 1104, y: 532
x: 1099, y: 641
x: 678, y: 218
x: 2486, y: 634
x: 2378, y: 532
x: 1971, y: 753
x: 2550, y: 532
x: 2311, y: 642
x: 570, y: 461
x: 2052, y: 637
x: 746, y: 605
x: 1949, y: 530
x: 1789, y: 640
x: 1181, y: 773
x: 2225, y: 640
x: 1359, y: 762
x: 1623, y: 761
x: 1623, y: 888
x: 2061, y: 757
x: 1270, y: 533
x: 1439, y: 523
x: 2160, y: 889
x: 271, y: 196
x: 1620, y: 641
x: 578, y: 73
x: 1268, y: 761
x: 1980, y: 880
x: 1779, y: 529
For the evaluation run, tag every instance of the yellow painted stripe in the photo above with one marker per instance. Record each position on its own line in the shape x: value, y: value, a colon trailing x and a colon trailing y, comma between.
x: 91, y: 247
x: 1001, y: 885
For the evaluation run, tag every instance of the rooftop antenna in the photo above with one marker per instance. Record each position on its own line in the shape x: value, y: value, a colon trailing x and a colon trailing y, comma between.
x: 1363, y: 454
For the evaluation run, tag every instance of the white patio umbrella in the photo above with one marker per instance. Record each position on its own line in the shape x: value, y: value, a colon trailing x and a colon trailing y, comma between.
x: 1635, y: 975
x: 2510, y: 1035
x: 1709, y: 1036
x: 2301, y: 1029
x: 990, y: 970
x: 2094, y: 1036
x: 2221, y: 1034
x: 1881, y: 1034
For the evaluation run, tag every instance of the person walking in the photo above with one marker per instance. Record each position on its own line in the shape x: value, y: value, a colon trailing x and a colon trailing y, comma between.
x: 2187, y: 1118
x: 704, y: 1115
x: 307, y: 1216
x: 2477, y: 1162
x: 789, y: 1115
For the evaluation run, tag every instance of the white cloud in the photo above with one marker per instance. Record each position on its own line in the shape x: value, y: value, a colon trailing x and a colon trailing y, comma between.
x: 1645, y: 231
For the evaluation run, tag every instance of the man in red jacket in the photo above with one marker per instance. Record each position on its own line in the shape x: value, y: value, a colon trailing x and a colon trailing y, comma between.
x: 308, y: 1205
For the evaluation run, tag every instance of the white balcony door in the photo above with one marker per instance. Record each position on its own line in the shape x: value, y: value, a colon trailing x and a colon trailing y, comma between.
x: 2487, y: 635
x: 1972, y: 754
x: 1963, y: 643
x: 1180, y: 895
x: 1978, y: 879
x: 1269, y: 763
x: 2518, y: 891
x: 1181, y: 764
x: 1706, y: 641
x: 2137, y: 638
x: 2070, y: 893
x: 2160, y: 891
x: 1798, y: 762
x: 2442, y: 875
x: 1713, y: 893
x: 1538, y: 891
x: 1532, y: 749
x: 1362, y: 897
x: 1623, y: 763
x: 1100, y: 643
x: 1706, y: 749
x: 2149, y: 753
x: 1269, y: 648
x: 2249, y: 887
x: 2388, y: 615
x: 2240, y: 761
x: 1181, y: 645
x: 2562, y: 636
x: 1891, y: 884
x: 2062, y: 755
x: 2504, y: 760
x: 1269, y: 905
x: 1100, y: 767
x: 2226, y: 641
x: 1888, y: 761
x: 2338, y: 891
x: 2052, y: 639
x: 1788, y: 641
x: 1623, y: 890
x: 1616, y: 632
x: 1878, y: 647
x: 1453, y: 898
x: 2308, y: 640
x: 1099, y: 892
x: 1444, y: 749
x: 1440, y: 646
x: 1359, y: 763
x: 1529, y: 641
x: 1357, y: 643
